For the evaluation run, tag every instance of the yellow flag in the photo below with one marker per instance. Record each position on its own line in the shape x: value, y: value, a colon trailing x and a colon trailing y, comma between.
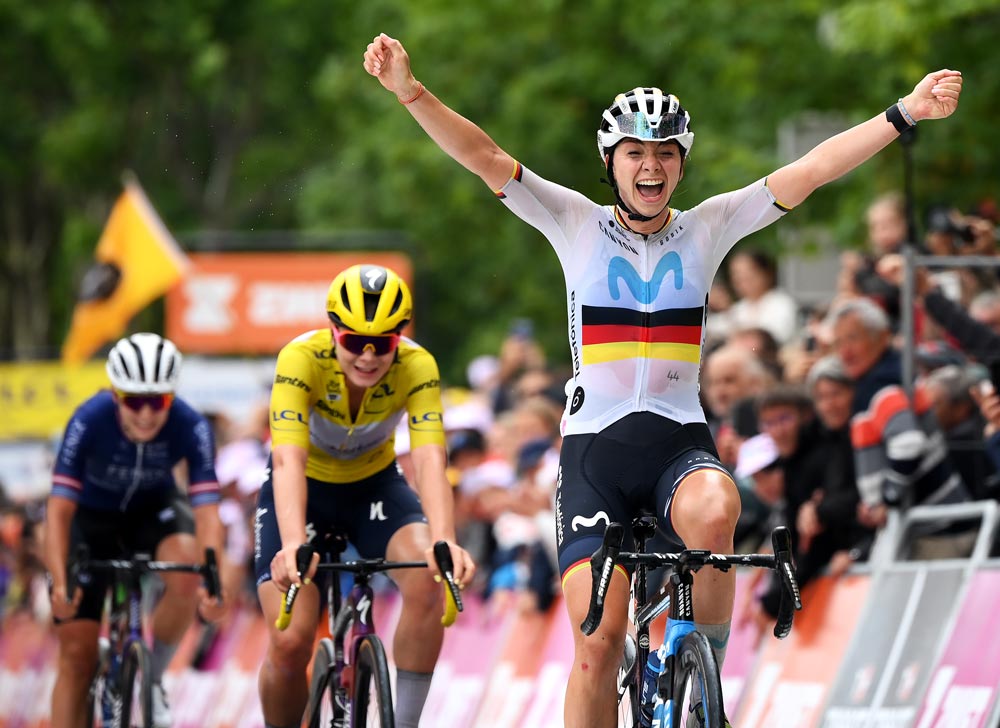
x: 137, y: 262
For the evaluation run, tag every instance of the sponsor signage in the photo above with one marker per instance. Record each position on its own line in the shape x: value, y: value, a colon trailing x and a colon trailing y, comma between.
x: 239, y: 303
x: 963, y: 689
x: 883, y: 677
x: 37, y: 398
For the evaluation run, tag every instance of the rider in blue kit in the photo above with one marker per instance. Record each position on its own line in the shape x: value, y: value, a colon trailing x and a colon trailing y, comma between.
x: 113, y: 488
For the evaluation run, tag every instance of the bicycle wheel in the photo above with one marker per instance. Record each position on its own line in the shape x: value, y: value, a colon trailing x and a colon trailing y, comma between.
x: 137, y: 687
x: 628, y: 686
x: 696, y: 671
x: 320, y: 710
x: 372, y: 702
x: 95, y: 693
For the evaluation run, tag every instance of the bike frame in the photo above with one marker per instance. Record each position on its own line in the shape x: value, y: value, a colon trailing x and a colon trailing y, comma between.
x: 124, y: 627
x: 349, y: 619
x: 675, y: 595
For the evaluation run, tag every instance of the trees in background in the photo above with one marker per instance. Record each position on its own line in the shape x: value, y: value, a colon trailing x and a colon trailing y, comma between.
x: 257, y: 115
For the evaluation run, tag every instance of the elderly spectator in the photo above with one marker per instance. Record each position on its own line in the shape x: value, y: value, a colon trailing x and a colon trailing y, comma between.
x: 900, y: 454
x: 731, y: 378
x: 950, y: 388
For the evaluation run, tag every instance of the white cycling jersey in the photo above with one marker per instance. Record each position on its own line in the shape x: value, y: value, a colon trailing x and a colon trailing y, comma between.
x: 636, y: 303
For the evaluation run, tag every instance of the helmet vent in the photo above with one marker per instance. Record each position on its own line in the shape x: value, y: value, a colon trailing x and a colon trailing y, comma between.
x: 371, y: 305
x: 138, y: 360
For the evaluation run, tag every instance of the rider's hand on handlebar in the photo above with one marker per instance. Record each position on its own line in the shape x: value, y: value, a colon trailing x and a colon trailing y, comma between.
x: 211, y: 609
x: 62, y: 607
x: 284, y: 570
x: 465, y: 568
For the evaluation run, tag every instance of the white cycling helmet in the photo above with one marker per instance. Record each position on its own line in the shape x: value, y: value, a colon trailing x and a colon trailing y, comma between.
x: 144, y: 364
x: 644, y: 114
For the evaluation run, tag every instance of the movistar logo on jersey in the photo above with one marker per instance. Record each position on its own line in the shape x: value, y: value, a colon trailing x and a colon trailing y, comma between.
x: 644, y: 291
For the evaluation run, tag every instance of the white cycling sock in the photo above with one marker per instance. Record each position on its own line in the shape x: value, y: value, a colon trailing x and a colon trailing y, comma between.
x: 161, y: 654
x: 411, y: 694
x: 718, y: 638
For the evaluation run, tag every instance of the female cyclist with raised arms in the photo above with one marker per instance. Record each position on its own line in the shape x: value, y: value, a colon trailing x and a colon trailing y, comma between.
x: 637, y: 275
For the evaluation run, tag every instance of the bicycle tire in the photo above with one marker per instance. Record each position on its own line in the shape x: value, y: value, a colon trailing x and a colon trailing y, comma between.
x: 628, y: 686
x: 696, y: 661
x: 95, y: 693
x: 137, y: 687
x: 321, y: 708
x: 371, y: 704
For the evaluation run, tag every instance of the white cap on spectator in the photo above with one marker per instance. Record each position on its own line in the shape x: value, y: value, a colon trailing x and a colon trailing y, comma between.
x: 755, y: 454
x: 482, y: 370
x: 469, y: 415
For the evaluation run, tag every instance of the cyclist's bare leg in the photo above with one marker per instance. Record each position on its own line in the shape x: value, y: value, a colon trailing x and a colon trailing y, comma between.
x: 704, y: 511
x: 74, y: 671
x: 176, y: 608
x: 591, y: 690
x: 282, y: 682
x: 419, y: 634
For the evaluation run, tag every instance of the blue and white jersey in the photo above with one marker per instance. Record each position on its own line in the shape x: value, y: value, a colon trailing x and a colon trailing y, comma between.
x: 636, y: 303
x: 98, y: 467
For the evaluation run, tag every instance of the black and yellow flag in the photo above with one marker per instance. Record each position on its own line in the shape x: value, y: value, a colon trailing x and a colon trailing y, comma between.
x: 137, y: 261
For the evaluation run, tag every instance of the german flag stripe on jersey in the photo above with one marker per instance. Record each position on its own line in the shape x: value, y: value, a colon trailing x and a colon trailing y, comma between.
x: 516, y: 176
x: 610, y: 334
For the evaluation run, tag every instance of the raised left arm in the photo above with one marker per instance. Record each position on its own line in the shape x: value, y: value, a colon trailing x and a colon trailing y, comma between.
x: 935, y: 97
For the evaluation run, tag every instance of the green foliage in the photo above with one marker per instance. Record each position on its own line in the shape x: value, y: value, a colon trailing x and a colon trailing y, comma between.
x: 257, y: 115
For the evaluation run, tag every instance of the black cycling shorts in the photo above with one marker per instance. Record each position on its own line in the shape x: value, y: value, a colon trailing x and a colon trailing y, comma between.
x: 121, y: 535
x: 367, y: 511
x: 632, y: 465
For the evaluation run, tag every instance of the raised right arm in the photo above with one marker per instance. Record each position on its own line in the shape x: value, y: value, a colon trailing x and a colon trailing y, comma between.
x: 463, y: 141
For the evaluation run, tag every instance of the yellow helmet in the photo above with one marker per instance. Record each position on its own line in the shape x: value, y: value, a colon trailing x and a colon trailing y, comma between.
x: 369, y: 299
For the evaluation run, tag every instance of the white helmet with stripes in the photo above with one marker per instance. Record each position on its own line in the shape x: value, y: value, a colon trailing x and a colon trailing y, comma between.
x: 644, y: 114
x: 144, y: 364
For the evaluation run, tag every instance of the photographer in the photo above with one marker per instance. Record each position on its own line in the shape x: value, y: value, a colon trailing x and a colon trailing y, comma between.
x: 976, y: 339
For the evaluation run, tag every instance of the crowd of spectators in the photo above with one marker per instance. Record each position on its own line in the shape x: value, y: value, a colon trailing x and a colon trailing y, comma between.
x: 807, y: 405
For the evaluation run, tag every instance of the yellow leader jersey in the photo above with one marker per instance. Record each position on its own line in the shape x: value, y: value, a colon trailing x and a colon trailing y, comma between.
x: 309, y: 408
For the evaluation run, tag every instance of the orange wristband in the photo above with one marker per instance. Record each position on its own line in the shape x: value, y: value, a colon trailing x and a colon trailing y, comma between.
x: 417, y: 95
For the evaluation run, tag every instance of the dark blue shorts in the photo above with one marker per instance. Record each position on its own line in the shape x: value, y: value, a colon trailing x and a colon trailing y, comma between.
x: 368, y: 512
x: 121, y: 535
x: 632, y: 465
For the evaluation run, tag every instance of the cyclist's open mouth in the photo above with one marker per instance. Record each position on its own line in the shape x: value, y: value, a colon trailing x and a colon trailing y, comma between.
x: 649, y: 190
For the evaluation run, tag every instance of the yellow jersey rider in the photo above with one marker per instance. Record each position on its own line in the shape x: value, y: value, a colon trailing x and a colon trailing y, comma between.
x: 337, y: 397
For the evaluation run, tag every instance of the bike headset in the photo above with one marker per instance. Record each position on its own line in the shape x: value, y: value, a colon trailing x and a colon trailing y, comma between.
x: 645, y: 114
x: 144, y: 364
x: 369, y: 299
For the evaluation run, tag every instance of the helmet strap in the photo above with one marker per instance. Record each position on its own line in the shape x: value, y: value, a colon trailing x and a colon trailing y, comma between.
x: 613, y: 184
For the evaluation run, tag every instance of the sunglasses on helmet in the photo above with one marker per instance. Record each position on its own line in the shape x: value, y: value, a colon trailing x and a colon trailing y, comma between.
x: 360, y: 343
x: 637, y: 125
x: 136, y: 402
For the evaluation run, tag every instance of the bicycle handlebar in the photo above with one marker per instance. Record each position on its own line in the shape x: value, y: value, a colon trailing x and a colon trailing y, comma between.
x: 602, y: 566
x: 81, y: 563
x: 604, y: 559
x: 366, y: 567
x: 791, y: 599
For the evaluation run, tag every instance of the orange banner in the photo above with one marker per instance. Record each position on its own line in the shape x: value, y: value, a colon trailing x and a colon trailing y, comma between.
x: 255, y: 303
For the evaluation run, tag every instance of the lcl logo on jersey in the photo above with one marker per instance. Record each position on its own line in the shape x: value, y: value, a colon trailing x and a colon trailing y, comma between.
x: 644, y: 291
